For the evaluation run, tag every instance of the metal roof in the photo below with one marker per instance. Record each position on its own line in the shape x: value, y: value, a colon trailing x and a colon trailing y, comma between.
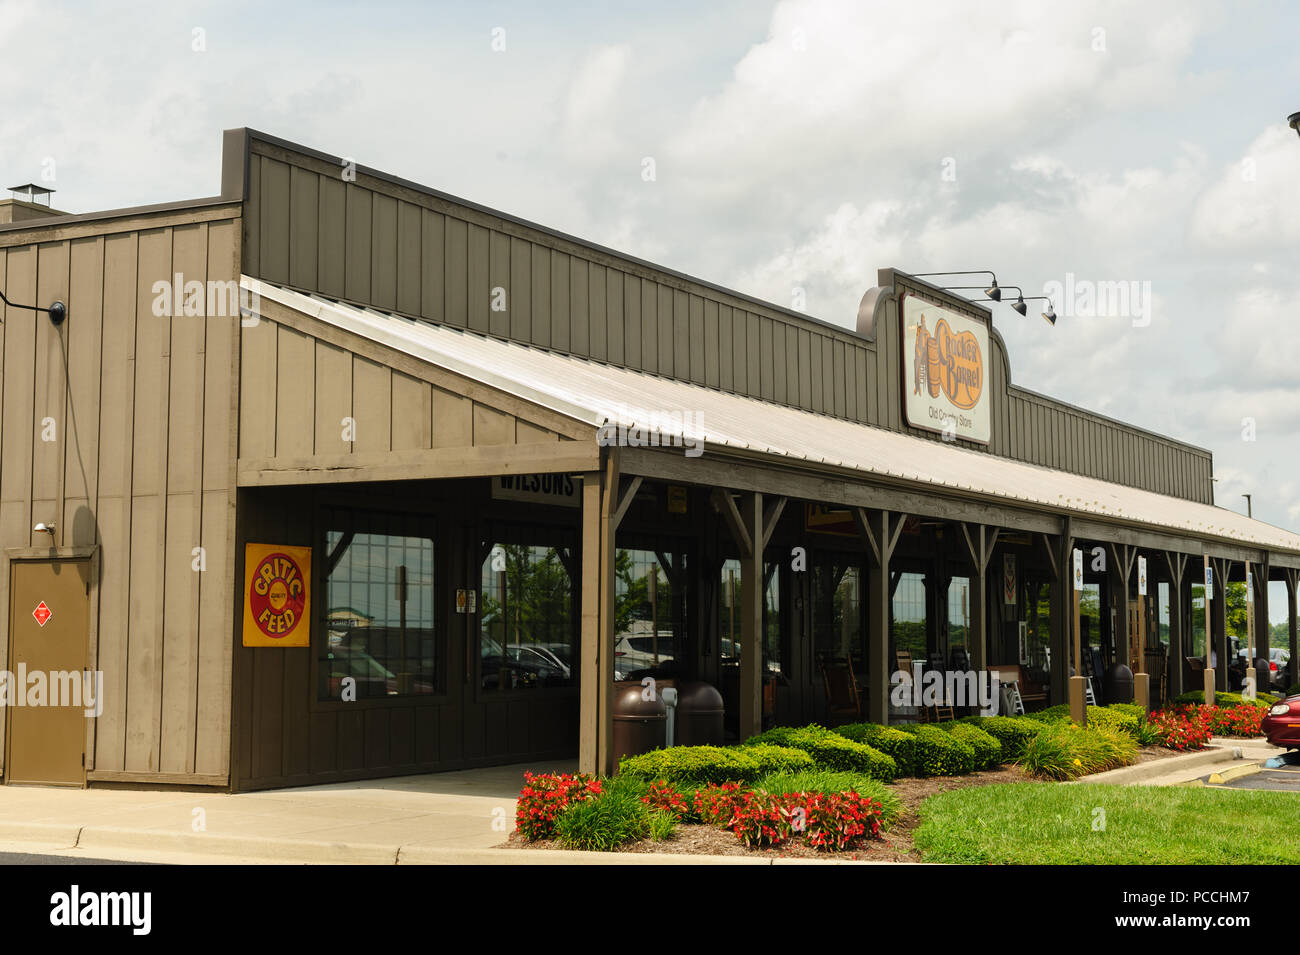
x: 596, y: 393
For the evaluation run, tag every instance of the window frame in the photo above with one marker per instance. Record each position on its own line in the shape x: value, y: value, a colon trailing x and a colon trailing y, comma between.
x: 363, y: 518
x: 484, y: 530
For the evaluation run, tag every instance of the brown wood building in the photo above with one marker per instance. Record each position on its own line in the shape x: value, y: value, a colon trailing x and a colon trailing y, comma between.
x: 420, y: 392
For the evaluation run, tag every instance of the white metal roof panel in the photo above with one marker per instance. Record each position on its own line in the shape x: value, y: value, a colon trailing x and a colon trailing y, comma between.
x: 596, y: 393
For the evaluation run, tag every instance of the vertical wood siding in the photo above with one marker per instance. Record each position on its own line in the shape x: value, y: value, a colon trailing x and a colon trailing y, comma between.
x: 118, y: 425
x: 384, y: 244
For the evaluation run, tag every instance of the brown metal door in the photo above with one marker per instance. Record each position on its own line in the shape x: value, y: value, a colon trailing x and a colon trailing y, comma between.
x: 46, y: 744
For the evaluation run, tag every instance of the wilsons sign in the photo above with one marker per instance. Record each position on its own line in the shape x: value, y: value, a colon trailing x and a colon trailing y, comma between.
x: 945, y: 371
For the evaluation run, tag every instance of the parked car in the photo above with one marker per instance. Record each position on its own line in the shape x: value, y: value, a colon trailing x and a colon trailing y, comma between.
x: 637, y: 652
x: 1278, y: 659
x: 1282, y: 724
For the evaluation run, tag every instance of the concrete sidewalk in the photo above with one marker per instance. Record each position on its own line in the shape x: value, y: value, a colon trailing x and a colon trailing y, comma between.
x: 453, y: 816
x: 1221, y: 754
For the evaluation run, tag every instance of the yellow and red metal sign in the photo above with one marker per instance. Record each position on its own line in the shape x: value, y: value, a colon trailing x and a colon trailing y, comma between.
x: 277, y: 596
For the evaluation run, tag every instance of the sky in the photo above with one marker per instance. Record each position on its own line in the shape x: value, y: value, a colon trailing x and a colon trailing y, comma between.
x: 796, y: 145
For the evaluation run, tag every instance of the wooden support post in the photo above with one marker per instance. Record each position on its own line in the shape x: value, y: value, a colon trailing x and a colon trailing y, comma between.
x: 1263, y: 638
x: 880, y: 530
x: 980, y: 541
x: 1058, y: 550
x: 1123, y: 557
x: 1177, y: 564
x: 604, y: 502
x: 1222, y: 567
x: 1292, y: 578
x: 751, y: 528
x: 751, y: 619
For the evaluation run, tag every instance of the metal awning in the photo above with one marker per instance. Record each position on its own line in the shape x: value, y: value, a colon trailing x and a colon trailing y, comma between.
x: 598, y: 394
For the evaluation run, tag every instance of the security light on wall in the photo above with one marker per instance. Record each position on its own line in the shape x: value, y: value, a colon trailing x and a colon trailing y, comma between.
x: 993, y: 292
x: 45, y: 527
x: 57, y: 312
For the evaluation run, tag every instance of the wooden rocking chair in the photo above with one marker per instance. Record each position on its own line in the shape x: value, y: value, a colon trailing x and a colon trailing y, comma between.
x: 843, y: 700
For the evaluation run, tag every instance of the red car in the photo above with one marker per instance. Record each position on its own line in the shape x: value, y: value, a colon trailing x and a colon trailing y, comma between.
x: 1282, y: 724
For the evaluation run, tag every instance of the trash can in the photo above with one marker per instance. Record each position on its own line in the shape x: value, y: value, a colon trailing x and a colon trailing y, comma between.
x: 1119, y: 684
x: 639, y: 723
x: 700, y: 713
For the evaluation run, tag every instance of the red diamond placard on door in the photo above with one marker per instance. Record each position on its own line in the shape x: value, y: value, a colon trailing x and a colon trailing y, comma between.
x: 42, y: 613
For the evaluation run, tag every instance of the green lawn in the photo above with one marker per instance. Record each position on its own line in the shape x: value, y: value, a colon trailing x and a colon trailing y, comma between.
x: 1053, y: 824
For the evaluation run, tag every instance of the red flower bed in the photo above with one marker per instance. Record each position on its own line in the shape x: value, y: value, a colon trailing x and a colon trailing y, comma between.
x: 835, y: 821
x: 1181, y: 730
x: 716, y: 803
x: 1242, y: 720
x: 826, y: 821
x: 663, y: 796
x: 544, y: 797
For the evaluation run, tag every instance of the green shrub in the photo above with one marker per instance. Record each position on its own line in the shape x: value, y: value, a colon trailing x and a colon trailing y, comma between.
x: 1293, y: 690
x: 1131, y: 709
x: 939, y: 753
x: 889, y: 740
x: 1013, y: 732
x: 615, y: 817
x: 832, y: 781
x: 1222, y: 698
x: 777, y: 759
x: 830, y: 750
x: 1067, y: 751
x: 988, y: 751
x: 1053, y: 714
x: 1115, y: 719
x: 696, y: 764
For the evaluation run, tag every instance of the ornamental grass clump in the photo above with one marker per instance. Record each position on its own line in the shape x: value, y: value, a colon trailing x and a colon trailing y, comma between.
x: 615, y: 817
x: 1067, y: 751
x: 545, y: 797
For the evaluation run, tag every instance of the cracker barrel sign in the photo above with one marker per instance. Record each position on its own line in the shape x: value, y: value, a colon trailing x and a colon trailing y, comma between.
x: 945, y: 371
x: 277, y: 596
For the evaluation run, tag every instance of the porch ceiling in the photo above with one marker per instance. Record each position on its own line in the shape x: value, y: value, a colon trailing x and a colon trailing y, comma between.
x: 597, y: 394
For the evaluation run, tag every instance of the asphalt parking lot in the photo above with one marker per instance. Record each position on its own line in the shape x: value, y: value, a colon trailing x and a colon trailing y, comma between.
x: 1281, y: 774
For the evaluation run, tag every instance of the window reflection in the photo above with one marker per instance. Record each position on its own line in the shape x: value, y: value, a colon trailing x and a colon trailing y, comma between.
x: 527, y: 628
x: 379, y: 618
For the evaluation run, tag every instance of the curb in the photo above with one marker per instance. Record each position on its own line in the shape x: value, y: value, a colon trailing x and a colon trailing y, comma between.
x: 1127, y: 775
x: 103, y: 839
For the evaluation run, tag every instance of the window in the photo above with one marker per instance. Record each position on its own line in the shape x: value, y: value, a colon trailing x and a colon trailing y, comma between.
x: 837, y: 610
x: 379, y: 617
x: 909, y: 615
x: 729, y: 621
x: 527, y: 619
x: 958, y: 611
x: 649, y: 611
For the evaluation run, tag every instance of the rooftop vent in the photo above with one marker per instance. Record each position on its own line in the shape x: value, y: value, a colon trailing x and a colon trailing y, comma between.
x: 30, y: 192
